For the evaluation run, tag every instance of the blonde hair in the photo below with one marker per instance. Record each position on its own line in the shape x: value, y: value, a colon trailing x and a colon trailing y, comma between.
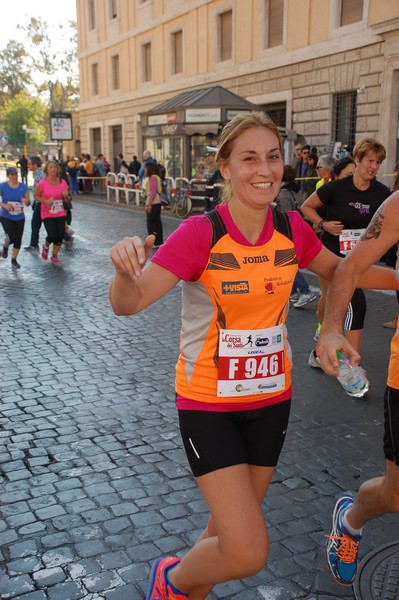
x: 232, y: 130
x: 369, y: 144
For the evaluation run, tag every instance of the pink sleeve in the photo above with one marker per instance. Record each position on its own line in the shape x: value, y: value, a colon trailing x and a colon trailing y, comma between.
x: 186, y: 251
x: 153, y: 185
x: 307, y: 244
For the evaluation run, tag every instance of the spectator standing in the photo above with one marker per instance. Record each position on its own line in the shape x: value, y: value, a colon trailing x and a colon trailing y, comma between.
x: 50, y: 193
x: 35, y: 165
x: 303, y: 166
x: 152, y: 191
x: 13, y: 197
x: 23, y: 167
x: 325, y: 169
x: 101, y: 171
x: 122, y: 165
x: 146, y: 159
x: 297, y: 156
x: 312, y: 173
x: 89, y: 172
x: 134, y: 166
x: 72, y: 171
x: 344, y: 167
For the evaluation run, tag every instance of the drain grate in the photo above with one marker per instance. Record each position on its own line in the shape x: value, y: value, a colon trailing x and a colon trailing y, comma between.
x: 72, y: 251
x: 378, y: 577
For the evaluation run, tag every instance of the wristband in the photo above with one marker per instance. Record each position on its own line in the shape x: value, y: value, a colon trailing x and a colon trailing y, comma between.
x: 321, y: 224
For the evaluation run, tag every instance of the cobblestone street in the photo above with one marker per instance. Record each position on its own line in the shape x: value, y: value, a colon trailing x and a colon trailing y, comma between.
x: 95, y: 484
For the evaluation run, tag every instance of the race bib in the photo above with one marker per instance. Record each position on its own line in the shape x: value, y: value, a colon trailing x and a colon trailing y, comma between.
x: 348, y: 239
x: 15, y: 208
x: 57, y: 206
x: 251, y: 362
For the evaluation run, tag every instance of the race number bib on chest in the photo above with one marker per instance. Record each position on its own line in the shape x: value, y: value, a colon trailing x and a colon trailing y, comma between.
x: 251, y: 362
x: 348, y: 238
x: 15, y: 208
x: 57, y: 206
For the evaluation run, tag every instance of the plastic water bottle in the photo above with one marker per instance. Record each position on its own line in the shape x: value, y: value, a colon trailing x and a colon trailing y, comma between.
x: 353, y: 379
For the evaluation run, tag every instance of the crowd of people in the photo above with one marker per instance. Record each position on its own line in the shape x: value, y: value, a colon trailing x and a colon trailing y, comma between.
x: 233, y: 403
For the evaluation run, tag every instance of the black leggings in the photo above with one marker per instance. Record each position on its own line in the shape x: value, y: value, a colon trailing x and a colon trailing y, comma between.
x: 14, y: 230
x: 356, y: 312
x: 55, y: 227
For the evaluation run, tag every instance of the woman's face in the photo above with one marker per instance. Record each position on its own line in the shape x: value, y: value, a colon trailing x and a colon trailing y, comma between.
x: 322, y: 172
x: 255, y: 167
x: 367, y: 168
x: 346, y: 171
x: 52, y: 169
x: 13, y: 178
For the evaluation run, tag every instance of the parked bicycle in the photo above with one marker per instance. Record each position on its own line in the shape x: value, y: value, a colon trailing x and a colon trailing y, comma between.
x: 188, y: 192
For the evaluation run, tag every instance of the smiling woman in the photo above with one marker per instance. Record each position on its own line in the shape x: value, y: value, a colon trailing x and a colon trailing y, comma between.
x: 233, y: 375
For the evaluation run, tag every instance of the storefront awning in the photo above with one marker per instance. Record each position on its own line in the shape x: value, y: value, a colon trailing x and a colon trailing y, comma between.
x: 216, y: 96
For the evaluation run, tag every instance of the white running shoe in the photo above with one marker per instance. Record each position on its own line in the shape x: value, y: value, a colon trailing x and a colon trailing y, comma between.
x: 314, y: 360
x: 305, y: 299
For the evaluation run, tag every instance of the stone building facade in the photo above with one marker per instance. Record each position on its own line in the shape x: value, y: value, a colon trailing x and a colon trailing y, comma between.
x: 327, y: 69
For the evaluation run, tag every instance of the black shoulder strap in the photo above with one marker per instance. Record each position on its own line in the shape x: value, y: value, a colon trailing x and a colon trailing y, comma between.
x: 218, y: 227
x: 282, y: 223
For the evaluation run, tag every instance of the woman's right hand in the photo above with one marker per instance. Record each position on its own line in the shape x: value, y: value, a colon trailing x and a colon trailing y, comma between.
x: 130, y: 255
x: 333, y: 227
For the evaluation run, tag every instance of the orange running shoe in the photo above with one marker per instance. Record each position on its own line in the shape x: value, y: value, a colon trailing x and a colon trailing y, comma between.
x: 160, y: 588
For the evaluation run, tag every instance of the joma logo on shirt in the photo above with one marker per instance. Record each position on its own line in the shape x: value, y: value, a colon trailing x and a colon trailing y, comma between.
x: 249, y: 260
x: 235, y: 287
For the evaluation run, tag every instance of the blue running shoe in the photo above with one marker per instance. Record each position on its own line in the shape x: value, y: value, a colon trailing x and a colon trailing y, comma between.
x: 342, y: 548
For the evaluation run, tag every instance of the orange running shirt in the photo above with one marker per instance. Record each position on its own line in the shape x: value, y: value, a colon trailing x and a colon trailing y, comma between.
x: 393, y: 367
x: 244, y: 288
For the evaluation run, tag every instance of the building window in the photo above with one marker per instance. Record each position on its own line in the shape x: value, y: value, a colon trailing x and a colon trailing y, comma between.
x: 274, y: 11
x: 112, y: 9
x: 344, y: 119
x: 351, y: 11
x: 177, y: 52
x: 225, y: 22
x: 91, y: 12
x: 277, y: 112
x: 147, y: 67
x: 115, y: 72
x: 94, y: 79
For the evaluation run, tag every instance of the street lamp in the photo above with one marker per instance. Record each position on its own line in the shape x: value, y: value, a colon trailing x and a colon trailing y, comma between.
x: 25, y: 128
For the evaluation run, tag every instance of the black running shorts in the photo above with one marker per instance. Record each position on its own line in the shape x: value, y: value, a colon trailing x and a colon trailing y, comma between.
x: 391, y: 425
x: 215, y: 440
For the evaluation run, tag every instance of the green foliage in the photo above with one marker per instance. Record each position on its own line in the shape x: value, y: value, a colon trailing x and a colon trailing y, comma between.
x: 24, y: 109
x: 37, y: 78
x: 15, y: 73
x: 57, y: 70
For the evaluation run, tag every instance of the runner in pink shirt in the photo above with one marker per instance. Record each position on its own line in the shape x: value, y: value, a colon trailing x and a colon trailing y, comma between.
x: 50, y: 192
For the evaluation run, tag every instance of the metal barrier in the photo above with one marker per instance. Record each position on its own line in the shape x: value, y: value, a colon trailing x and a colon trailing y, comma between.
x: 197, y: 193
x: 122, y: 185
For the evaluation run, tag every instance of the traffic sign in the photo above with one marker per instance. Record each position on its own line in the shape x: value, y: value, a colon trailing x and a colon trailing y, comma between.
x: 61, y: 125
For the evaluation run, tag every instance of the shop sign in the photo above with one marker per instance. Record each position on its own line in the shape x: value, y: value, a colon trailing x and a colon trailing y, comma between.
x: 161, y: 119
x: 163, y: 130
x: 203, y: 115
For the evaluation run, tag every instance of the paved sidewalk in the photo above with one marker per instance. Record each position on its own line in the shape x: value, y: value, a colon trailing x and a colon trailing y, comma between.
x: 95, y: 484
